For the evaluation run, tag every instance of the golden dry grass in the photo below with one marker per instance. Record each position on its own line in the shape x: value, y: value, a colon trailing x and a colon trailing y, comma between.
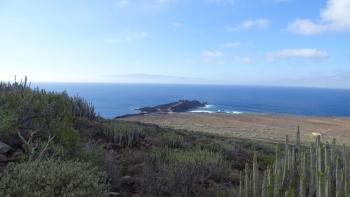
x: 270, y: 127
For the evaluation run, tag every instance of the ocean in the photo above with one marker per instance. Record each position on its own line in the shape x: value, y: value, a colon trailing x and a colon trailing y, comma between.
x: 111, y: 100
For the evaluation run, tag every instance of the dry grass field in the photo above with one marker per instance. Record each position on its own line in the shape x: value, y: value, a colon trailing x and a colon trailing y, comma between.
x: 267, y: 127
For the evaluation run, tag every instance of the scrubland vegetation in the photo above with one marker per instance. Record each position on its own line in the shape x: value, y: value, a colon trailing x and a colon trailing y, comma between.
x: 55, y: 145
x: 320, y: 169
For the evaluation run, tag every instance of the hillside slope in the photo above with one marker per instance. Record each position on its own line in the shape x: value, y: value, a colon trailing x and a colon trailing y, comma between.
x: 52, y: 132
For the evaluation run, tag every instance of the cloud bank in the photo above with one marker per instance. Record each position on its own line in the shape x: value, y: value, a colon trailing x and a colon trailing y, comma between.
x: 334, y: 17
x: 213, y: 57
x: 313, y: 54
x: 126, y: 36
x: 248, y: 24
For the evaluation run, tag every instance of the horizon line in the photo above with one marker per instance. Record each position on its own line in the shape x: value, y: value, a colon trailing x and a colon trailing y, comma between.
x: 188, y: 84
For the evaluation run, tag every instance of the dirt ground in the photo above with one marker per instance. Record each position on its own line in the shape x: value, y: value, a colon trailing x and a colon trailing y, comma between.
x: 270, y: 127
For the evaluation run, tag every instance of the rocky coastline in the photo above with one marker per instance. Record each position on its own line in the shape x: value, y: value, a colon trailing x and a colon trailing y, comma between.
x: 178, y: 106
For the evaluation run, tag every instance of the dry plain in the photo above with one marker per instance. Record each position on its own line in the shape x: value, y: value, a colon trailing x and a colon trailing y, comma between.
x: 267, y: 127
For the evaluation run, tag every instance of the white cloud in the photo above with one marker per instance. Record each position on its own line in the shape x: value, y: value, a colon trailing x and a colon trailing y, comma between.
x: 230, y: 2
x: 212, y: 54
x: 334, y: 17
x: 247, y: 24
x: 231, y: 44
x: 177, y: 24
x: 153, y: 78
x: 213, y: 57
x: 313, y: 54
x: 143, y: 3
x: 126, y: 35
x: 123, y: 3
x: 245, y: 60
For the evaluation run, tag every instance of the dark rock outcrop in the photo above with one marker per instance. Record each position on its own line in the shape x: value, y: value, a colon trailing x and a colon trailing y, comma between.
x: 179, y: 106
x: 4, y: 148
x: 5, y: 152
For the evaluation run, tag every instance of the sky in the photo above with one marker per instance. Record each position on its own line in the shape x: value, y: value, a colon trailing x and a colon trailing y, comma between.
x: 240, y: 42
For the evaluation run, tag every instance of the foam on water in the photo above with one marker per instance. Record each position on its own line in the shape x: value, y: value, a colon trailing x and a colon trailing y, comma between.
x: 202, y: 111
x: 205, y: 110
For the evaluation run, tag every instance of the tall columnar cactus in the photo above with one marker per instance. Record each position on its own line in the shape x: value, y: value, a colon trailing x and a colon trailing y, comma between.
x: 276, y: 177
x: 246, y: 181
x: 338, y: 177
x: 332, y: 166
x: 312, y: 172
x: 321, y: 184
x: 297, y: 141
x: 241, y: 184
x: 300, y: 171
x: 264, y: 185
x: 297, y: 160
x: 345, y: 168
x: 286, y: 159
x: 326, y: 155
x: 327, y: 192
x: 269, y: 182
x: 255, y: 176
x: 302, y: 181
x: 319, y: 153
x: 276, y: 164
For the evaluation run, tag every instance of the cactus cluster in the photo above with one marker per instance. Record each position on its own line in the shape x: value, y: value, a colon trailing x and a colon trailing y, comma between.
x: 317, y: 170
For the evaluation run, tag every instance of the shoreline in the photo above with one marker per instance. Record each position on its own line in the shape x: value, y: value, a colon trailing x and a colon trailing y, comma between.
x: 236, y: 113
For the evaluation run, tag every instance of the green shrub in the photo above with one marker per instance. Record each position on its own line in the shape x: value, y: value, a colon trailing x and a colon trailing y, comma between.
x: 7, y: 122
x: 70, y: 140
x: 24, y: 109
x: 184, y: 157
x: 53, y: 178
x: 93, y: 154
x: 171, y: 140
x: 123, y: 133
x: 184, y: 172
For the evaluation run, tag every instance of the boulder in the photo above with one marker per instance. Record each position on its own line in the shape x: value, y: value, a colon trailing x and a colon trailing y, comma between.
x: 129, y: 185
x: 4, y: 148
x: 16, y: 156
x: 114, y: 194
x: 3, y: 158
x: 127, y: 182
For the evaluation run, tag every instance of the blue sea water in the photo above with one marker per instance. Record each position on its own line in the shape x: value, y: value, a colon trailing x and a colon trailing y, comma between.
x: 111, y: 100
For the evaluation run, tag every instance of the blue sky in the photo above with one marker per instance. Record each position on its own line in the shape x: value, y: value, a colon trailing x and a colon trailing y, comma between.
x: 243, y: 42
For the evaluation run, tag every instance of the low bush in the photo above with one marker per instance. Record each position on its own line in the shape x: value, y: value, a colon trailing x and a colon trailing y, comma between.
x: 52, y: 178
x: 185, y: 176
x: 193, y: 156
x: 24, y: 109
x: 171, y: 140
x: 7, y: 122
x: 124, y: 134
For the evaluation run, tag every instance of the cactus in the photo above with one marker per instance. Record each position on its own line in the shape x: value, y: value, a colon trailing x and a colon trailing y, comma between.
x: 332, y: 166
x: 327, y: 192
x: 246, y: 175
x: 286, y: 158
x: 338, y: 176
x: 241, y: 184
x: 255, y: 176
x: 321, y: 184
x: 314, y: 171
x: 264, y: 185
